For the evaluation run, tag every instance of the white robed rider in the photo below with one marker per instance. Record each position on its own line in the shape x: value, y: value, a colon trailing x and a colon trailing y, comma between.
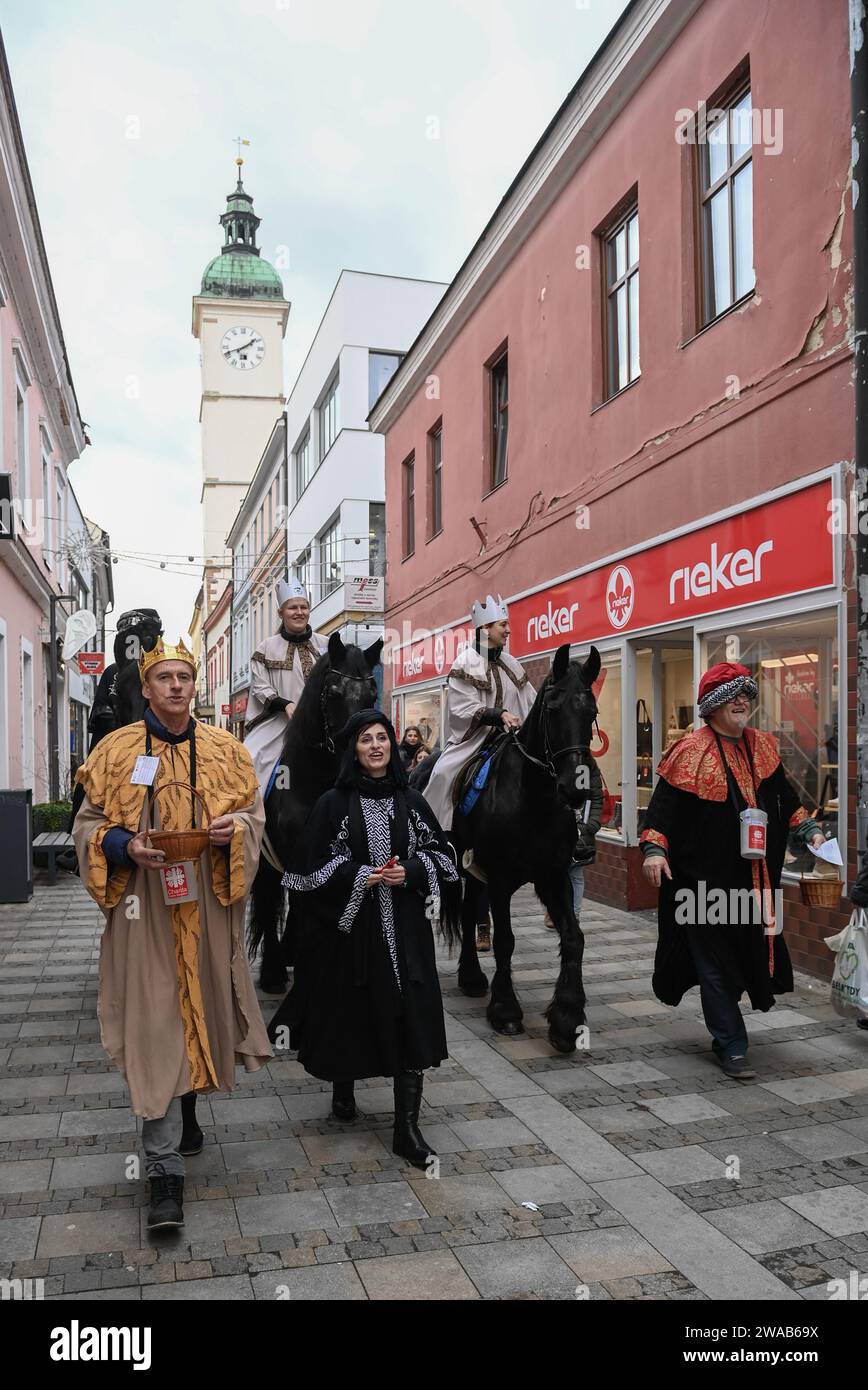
x: 278, y: 670
x: 487, y: 689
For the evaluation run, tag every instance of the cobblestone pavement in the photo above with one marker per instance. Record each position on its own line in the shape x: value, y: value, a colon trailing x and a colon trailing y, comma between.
x: 653, y: 1176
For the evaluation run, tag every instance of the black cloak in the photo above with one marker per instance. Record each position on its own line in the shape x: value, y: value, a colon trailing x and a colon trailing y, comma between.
x: 693, y: 817
x: 366, y: 998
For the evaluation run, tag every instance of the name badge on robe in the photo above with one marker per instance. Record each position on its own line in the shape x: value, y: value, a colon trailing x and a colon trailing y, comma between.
x: 145, y: 770
x: 179, y: 883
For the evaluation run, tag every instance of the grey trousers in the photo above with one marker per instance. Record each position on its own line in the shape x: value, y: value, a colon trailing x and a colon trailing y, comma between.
x: 577, y: 879
x: 160, y: 1141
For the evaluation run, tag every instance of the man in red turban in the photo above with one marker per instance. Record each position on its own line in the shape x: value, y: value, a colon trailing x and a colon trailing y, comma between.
x: 716, y: 919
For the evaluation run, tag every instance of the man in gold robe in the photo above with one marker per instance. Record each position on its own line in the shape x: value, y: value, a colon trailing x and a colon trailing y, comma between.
x: 176, y: 1002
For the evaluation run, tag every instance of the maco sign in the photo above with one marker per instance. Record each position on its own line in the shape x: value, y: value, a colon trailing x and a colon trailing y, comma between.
x: 777, y: 548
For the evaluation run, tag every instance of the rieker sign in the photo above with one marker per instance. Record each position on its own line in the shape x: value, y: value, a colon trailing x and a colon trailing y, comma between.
x: 775, y: 548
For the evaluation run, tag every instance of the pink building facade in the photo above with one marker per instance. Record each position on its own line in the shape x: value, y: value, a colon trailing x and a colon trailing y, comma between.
x: 40, y: 435
x: 632, y: 413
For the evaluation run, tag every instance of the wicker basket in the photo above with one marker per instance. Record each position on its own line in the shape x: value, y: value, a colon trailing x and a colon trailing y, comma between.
x: 821, y: 891
x: 179, y: 845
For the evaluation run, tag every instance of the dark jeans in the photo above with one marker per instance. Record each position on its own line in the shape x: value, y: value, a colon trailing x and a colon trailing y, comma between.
x: 719, y: 1004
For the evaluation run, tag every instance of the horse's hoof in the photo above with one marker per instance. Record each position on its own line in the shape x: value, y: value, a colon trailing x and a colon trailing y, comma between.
x: 474, y: 989
x: 511, y: 1028
x: 562, y: 1044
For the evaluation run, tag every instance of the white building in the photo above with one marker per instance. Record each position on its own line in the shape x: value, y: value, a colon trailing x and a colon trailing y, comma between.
x: 335, y: 528
x: 258, y: 544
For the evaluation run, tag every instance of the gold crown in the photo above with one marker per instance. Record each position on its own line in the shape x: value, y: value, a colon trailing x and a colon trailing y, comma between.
x: 164, y: 651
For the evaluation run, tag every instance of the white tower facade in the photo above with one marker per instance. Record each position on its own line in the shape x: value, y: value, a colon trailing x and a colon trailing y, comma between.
x: 239, y: 317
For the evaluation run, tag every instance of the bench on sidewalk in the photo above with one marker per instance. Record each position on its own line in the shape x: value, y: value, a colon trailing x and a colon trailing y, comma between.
x: 53, y: 842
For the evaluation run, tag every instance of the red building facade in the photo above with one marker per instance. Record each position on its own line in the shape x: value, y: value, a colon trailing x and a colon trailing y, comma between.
x: 632, y: 413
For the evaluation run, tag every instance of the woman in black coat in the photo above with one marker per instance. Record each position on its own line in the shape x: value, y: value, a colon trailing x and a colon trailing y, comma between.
x: 372, y: 873
x: 410, y: 745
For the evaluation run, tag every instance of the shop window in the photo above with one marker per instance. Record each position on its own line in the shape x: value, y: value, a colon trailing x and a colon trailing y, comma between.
x: 795, y: 664
x: 608, y: 693
x: 724, y: 142
x: 424, y: 710
x: 621, y: 265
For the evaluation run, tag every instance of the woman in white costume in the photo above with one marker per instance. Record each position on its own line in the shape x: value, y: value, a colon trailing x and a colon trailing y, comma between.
x: 487, y: 689
x: 278, y: 670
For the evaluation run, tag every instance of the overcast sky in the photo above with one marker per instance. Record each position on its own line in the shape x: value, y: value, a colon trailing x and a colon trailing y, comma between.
x: 129, y: 112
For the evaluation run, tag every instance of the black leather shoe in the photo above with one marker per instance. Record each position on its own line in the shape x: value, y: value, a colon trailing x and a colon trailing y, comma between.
x: 167, y: 1202
x: 192, y: 1138
x: 343, y: 1101
x: 407, y: 1141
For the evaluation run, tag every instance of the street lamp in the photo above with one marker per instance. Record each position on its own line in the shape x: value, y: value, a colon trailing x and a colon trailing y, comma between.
x: 53, y: 750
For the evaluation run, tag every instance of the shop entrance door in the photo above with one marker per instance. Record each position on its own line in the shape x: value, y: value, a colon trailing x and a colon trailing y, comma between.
x: 663, y: 709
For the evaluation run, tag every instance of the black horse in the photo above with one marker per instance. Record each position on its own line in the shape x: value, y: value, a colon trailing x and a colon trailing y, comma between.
x: 340, y: 683
x: 522, y: 829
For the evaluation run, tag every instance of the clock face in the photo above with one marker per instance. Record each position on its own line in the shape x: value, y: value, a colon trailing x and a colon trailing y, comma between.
x: 243, y: 348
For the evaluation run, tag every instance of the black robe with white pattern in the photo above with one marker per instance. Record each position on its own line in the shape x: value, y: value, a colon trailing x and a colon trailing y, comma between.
x: 366, y: 998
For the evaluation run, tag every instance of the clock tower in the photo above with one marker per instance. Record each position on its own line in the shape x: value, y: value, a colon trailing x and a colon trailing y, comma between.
x: 239, y: 316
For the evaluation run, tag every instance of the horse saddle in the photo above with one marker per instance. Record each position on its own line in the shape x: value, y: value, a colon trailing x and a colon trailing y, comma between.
x: 474, y: 775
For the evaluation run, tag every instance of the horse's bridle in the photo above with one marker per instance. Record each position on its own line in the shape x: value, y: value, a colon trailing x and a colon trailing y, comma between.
x: 551, y: 757
x: 328, y: 742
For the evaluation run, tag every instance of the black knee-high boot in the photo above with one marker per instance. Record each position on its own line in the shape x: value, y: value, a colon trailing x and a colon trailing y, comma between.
x: 192, y: 1137
x: 343, y: 1100
x: 407, y: 1141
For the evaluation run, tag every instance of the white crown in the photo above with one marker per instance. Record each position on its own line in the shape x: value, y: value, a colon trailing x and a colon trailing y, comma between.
x: 290, y: 588
x: 493, y: 610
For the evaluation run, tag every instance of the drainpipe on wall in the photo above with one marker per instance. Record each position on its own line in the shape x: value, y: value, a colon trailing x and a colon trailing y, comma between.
x: 859, y: 114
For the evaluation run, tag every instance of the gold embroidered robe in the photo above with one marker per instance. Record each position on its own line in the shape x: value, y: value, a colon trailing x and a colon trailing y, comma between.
x: 176, y: 1003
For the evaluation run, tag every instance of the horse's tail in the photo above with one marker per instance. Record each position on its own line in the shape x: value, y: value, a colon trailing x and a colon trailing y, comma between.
x: 450, y: 914
x: 266, y: 899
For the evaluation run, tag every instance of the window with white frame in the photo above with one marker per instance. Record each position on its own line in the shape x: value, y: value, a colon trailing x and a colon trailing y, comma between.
x: 302, y: 463
x: 304, y: 573
x: 725, y: 150
x: 47, y: 508
x: 381, y: 368
x: 60, y: 523
x: 330, y: 559
x: 22, y: 459
x: 328, y: 417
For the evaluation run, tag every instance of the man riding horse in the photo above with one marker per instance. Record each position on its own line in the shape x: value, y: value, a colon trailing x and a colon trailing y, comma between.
x: 279, y: 669
x: 487, y: 691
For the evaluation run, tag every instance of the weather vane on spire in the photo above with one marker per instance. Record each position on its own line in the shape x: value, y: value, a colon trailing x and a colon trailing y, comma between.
x: 239, y: 141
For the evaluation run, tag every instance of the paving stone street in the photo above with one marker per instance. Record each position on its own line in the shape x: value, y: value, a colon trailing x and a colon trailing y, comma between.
x: 629, y: 1151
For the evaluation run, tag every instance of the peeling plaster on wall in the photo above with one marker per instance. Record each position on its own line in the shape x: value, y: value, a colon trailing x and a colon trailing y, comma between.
x: 814, y: 338
x: 833, y: 245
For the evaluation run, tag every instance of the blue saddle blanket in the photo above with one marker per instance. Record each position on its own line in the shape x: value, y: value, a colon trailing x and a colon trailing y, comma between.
x: 471, y: 796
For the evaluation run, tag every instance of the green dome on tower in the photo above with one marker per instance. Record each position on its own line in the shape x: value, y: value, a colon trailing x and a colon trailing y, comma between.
x: 239, y: 272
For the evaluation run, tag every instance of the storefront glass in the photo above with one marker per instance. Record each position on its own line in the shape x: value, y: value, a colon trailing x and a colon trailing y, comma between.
x: 424, y: 709
x: 645, y: 714
x: 795, y: 663
x: 608, y: 692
